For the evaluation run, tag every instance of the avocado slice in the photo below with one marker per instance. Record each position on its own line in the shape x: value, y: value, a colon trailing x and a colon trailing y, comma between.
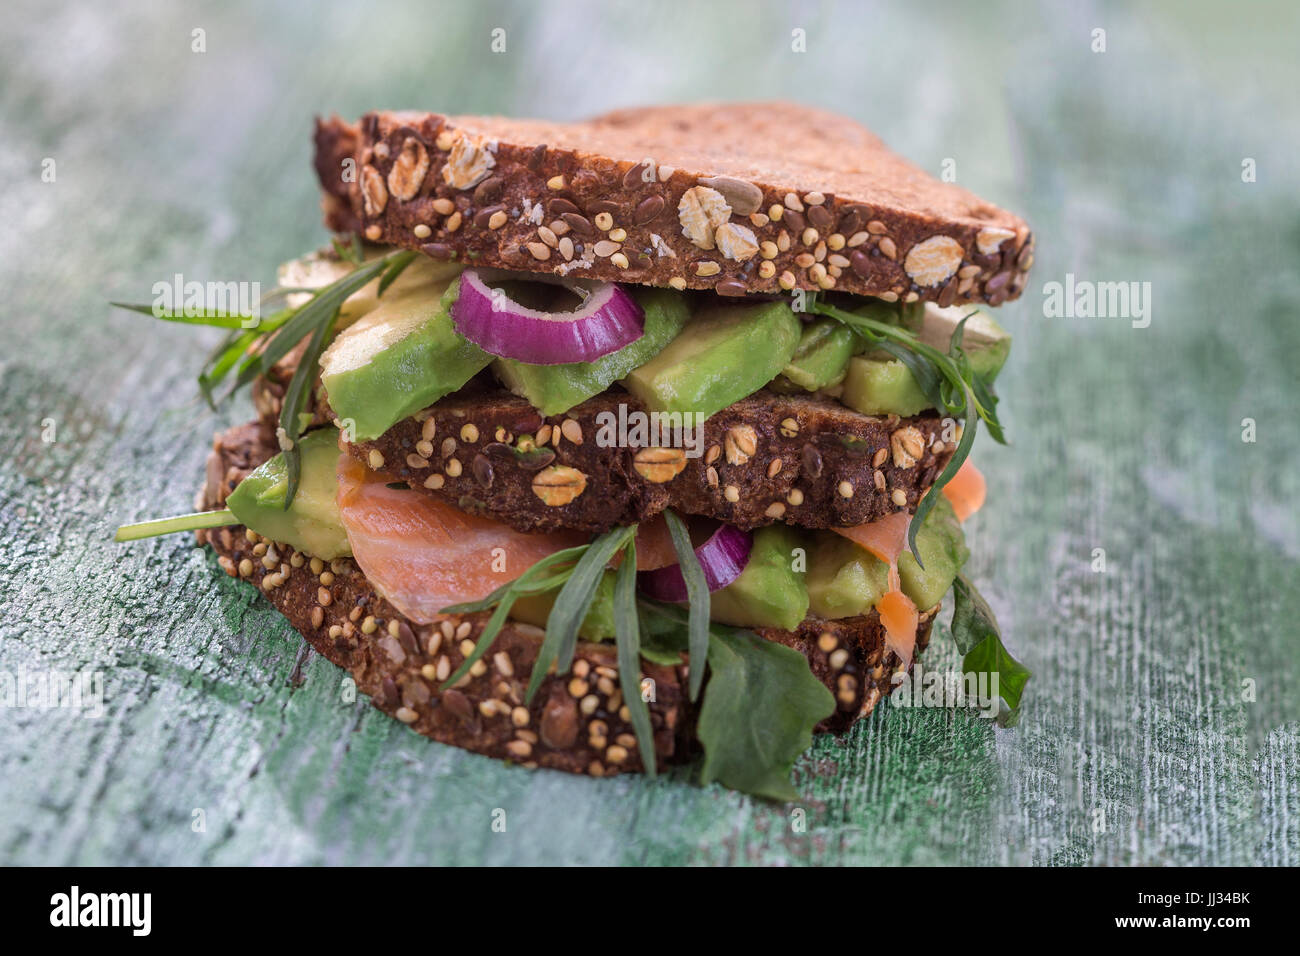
x: 554, y: 389
x: 311, y: 524
x: 845, y: 580
x: 400, y: 357
x: 769, y: 592
x: 876, y: 384
x: 724, y: 354
x: 598, y: 625
x: 822, y: 356
x: 942, y: 546
x: 319, y: 269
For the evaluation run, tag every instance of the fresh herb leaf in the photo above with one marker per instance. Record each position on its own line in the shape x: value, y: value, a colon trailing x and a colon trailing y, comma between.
x: 663, y: 632
x: 697, y: 595
x: 400, y: 262
x: 627, y: 632
x: 161, y: 526
x: 571, y: 606
x: 213, y: 317
x: 947, y: 380
x: 526, y: 583
x: 351, y: 251
x: 975, y: 631
x: 760, y: 707
x: 293, y: 406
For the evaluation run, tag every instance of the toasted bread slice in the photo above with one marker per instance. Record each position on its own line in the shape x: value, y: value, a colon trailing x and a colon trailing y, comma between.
x: 575, y: 721
x: 769, y: 457
x: 738, y: 198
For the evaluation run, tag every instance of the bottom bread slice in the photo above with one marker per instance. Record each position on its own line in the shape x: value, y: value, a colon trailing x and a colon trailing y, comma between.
x: 576, y: 722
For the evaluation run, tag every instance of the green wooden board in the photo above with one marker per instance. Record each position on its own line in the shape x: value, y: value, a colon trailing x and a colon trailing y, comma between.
x: 1128, y: 163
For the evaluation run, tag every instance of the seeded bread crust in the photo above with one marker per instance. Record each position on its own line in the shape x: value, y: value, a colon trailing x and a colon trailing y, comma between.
x: 575, y: 722
x: 767, y: 458
x: 738, y: 198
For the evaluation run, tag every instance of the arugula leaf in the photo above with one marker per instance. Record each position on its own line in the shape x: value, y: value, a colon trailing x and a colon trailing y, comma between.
x: 627, y: 632
x: 760, y: 707
x: 697, y: 596
x: 975, y: 630
x: 931, y: 498
x: 294, y: 405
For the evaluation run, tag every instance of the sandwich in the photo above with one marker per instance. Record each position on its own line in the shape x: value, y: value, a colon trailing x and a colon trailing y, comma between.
x: 615, y: 445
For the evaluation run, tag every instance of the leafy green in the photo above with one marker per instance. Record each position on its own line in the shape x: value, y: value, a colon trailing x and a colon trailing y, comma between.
x: 975, y: 630
x: 572, y: 604
x: 160, y: 526
x: 697, y: 595
x: 946, y: 379
x: 759, y: 710
x: 627, y: 632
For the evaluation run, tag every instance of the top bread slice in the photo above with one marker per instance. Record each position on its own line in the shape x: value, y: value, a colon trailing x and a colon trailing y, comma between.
x: 738, y: 198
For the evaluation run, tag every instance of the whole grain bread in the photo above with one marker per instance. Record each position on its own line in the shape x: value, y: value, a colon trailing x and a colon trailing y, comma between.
x: 738, y: 198
x: 800, y: 460
x: 576, y: 722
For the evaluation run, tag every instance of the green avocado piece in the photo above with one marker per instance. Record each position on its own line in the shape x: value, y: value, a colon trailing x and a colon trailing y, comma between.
x: 876, y: 384
x: 769, y: 592
x: 400, y: 357
x: 598, y: 625
x: 845, y: 580
x: 554, y: 389
x: 942, y: 547
x: 319, y: 269
x: 822, y: 356
x: 311, y: 524
x: 724, y: 353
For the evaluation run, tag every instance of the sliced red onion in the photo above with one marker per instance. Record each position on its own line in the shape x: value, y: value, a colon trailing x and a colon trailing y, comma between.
x: 722, y: 557
x: 608, y: 320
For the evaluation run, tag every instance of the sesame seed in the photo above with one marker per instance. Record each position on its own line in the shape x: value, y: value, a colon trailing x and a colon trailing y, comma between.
x: 787, y: 280
x: 767, y: 249
x: 373, y: 233
x: 469, y: 433
x: 766, y: 269
x: 566, y: 248
x: 375, y: 458
x: 604, y: 249
x: 555, y: 182
x: 878, y: 478
x: 421, y: 231
x: 519, y: 717
x: 429, y: 429
x: 835, y: 242
x: 783, y: 241
x: 463, y: 629
x: 316, y: 565
x: 327, y: 578
x: 416, y: 462
x: 898, y: 497
x: 707, y: 268
x: 775, y: 213
x: 876, y: 227
x: 795, y: 497
x: 845, y: 489
x: 775, y: 510
x: 434, y: 482
x: 539, y: 250
x: 604, y: 222
x: 444, y: 207
x: 887, y: 248
x: 477, y: 669
x: 245, y: 568
x: 454, y: 468
x: 619, y: 260
x: 578, y: 687
x: 368, y: 626
x: 678, y: 283
x: 424, y: 449
x: 774, y: 468
x: 731, y: 493
x: 453, y: 222
x: 814, y: 199
x: 618, y: 235
x: 324, y: 597
x: 497, y: 219
x: 406, y: 715
x: 571, y: 430
x: 317, y: 617
x: 839, y: 659
x: 589, y: 704
x: 616, y: 754
x: 809, y: 237
x: 789, y: 427
x: 792, y: 202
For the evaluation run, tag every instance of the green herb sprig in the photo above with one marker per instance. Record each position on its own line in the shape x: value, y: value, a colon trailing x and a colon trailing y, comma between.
x: 947, y: 381
x: 253, y: 352
x: 977, y: 636
x: 697, y: 594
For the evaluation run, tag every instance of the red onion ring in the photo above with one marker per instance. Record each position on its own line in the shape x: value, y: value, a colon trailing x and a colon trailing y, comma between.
x: 723, y: 557
x: 608, y: 320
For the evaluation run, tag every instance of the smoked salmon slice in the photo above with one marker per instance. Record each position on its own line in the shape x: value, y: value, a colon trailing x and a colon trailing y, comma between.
x: 966, y: 490
x: 422, y: 554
